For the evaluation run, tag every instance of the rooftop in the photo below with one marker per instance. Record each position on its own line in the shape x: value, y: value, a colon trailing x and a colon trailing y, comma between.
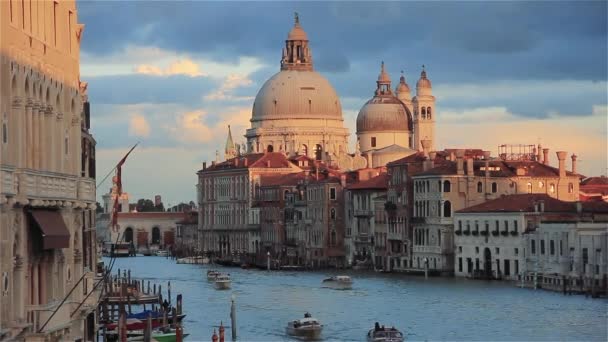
x: 527, y: 203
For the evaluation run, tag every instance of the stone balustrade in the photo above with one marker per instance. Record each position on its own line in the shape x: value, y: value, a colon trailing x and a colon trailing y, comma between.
x: 32, y: 185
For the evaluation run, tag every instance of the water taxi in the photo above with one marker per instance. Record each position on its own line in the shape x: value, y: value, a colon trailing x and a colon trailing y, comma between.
x: 340, y: 282
x: 382, y: 334
x: 222, y: 281
x: 308, y: 328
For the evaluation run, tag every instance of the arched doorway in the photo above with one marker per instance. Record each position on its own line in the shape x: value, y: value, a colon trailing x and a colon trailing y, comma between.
x: 156, y: 236
x: 487, y: 264
x: 304, y: 149
x: 128, y: 235
x: 270, y: 148
x: 318, y: 152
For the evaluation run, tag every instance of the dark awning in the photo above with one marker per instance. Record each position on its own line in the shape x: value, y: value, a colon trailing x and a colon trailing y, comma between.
x: 55, y: 234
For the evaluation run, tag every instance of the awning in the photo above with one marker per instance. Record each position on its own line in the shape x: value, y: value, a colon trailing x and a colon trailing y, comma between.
x: 55, y: 234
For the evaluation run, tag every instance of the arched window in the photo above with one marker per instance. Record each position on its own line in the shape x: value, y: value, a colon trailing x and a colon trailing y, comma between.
x: 423, y: 113
x: 285, y: 194
x: 332, y: 214
x: 128, y: 235
x: 304, y: 149
x: 479, y: 187
x: 447, y: 186
x: 318, y: 152
x: 529, y: 188
x: 428, y: 113
x: 494, y: 187
x: 552, y: 188
x: 4, y: 133
x: 570, y: 188
x: 269, y: 148
x: 447, y: 209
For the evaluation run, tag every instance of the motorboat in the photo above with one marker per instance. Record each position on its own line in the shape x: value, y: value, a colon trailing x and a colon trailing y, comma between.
x: 340, y: 282
x: 162, y: 253
x: 308, y: 328
x: 211, y: 274
x: 382, y: 334
x: 222, y: 281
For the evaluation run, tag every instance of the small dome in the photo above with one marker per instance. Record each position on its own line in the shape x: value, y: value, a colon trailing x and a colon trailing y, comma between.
x: 402, y: 87
x: 296, y: 94
x: 297, y: 33
x: 423, y: 82
x: 384, y: 114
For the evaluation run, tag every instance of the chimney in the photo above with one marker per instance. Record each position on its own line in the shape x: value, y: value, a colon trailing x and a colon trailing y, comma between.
x: 459, y: 162
x: 246, y: 163
x: 574, y: 156
x: 212, y: 162
x: 432, y: 156
x: 343, y: 180
x: 426, y: 146
x: 486, y: 155
x: 561, y: 156
x: 538, y: 151
x: 545, y: 156
x: 204, y: 165
x: 470, y: 167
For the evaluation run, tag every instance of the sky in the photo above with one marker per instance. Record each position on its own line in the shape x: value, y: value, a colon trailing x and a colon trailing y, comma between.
x: 173, y: 75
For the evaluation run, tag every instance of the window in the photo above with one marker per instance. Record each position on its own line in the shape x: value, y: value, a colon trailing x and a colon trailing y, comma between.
x: 585, y: 258
x: 66, y: 145
x: 447, y: 209
x: 332, y: 214
x: 533, y: 246
x: 285, y: 193
x: 447, y: 186
x: 459, y: 225
x: 373, y: 141
x: 529, y: 187
x: 476, y: 250
x: 494, y: 187
x: 560, y: 248
x: 428, y: 113
x: 497, y: 250
x: 55, y: 4
x: 570, y: 188
x: 459, y: 264
x: 4, y: 133
x: 542, y: 247
x: 552, y: 188
x: 516, y: 251
x: 541, y: 185
x: 479, y: 187
x: 552, y: 247
x: 423, y: 113
x: 332, y: 193
x: 10, y: 9
x: 515, y: 225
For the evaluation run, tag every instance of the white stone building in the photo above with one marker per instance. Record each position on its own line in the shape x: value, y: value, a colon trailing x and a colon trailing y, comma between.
x: 47, y: 176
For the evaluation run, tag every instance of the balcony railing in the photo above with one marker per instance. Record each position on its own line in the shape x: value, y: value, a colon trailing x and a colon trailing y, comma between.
x: 364, y: 213
x: 46, y: 185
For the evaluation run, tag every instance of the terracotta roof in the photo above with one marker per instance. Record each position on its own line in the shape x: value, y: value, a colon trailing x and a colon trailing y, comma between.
x: 153, y: 215
x: 597, y: 181
x: 418, y: 157
x: 526, y: 203
x: 289, y: 179
x: 254, y: 160
x: 377, y: 183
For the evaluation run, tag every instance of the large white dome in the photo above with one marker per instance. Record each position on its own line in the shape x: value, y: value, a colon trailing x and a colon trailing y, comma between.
x: 293, y: 94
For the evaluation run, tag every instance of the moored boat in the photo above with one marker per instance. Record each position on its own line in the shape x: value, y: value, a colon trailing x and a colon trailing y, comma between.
x: 308, y: 328
x: 222, y: 281
x: 211, y: 274
x: 162, y: 253
x: 340, y: 282
x: 382, y: 334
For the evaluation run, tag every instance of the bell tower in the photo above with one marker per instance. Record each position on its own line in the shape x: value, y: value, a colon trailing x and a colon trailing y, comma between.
x: 424, y: 113
x: 296, y: 53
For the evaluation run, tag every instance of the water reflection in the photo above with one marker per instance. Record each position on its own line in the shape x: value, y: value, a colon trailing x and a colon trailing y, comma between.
x: 433, y: 309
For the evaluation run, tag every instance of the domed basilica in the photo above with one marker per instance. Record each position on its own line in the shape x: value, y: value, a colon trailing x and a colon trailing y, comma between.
x: 298, y: 112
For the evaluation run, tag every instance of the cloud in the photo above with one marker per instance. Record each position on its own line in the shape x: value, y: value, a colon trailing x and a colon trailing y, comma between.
x: 138, y: 126
x: 190, y: 128
x: 180, y: 67
x: 229, y: 84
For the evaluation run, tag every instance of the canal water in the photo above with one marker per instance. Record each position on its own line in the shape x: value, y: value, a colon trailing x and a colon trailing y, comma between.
x: 431, y: 309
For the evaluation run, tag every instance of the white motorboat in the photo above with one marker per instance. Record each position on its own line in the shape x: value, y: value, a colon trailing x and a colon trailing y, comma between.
x: 222, y: 281
x: 340, y: 282
x: 308, y: 328
x: 162, y: 253
x: 382, y: 334
x: 212, y: 274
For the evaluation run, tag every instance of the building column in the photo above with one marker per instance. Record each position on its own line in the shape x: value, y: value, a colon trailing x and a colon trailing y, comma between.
x: 49, y: 129
x: 37, y: 121
x: 29, y: 141
x: 75, y: 148
x: 59, y: 147
x: 19, y: 131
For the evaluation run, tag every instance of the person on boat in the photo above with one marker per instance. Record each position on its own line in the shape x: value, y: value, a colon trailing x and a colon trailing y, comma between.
x: 383, y: 329
x: 377, y: 326
x: 166, y: 305
x: 307, y: 315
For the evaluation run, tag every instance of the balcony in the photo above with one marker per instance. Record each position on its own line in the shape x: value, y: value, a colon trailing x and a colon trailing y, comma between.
x: 475, y: 233
x: 514, y: 233
x: 458, y: 232
x: 466, y: 232
x: 495, y: 233
x: 362, y: 238
x: 427, y: 249
x: 37, y: 315
x: 484, y: 233
x: 364, y: 213
x: 41, y: 185
x: 504, y: 233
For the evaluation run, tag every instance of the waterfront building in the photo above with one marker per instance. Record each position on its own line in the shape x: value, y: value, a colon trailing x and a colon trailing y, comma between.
x: 532, y: 238
x: 441, y: 190
x: 361, y: 203
x: 47, y: 166
x: 228, y: 222
x: 593, y: 188
x: 186, y: 236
